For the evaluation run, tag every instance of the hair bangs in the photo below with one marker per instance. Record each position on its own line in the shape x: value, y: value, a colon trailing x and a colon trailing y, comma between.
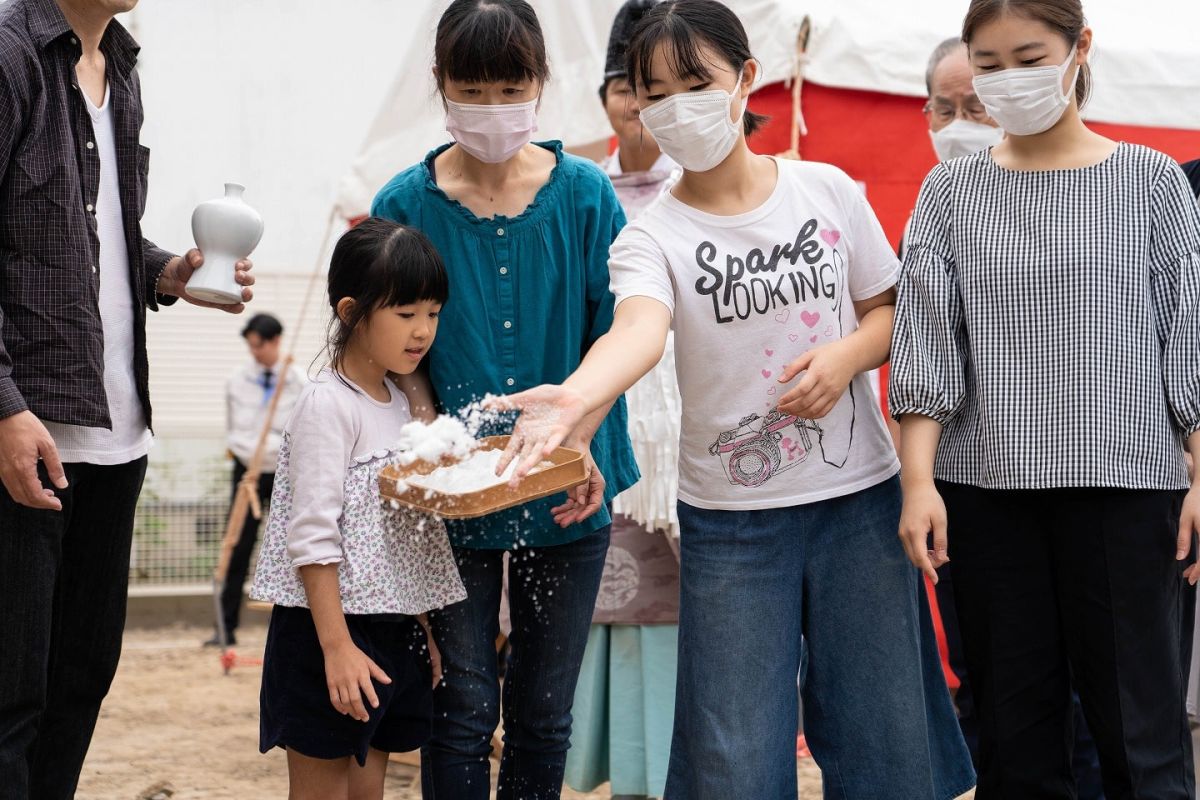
x: 491, y: 45
x: 682, y: 45
x: 410, y: 271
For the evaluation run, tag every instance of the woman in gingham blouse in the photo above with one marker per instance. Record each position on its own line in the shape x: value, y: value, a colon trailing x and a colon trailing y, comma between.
x: 1046, y: 372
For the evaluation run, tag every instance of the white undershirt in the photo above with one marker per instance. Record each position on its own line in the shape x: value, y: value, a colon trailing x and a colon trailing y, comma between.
x: 129, y: 438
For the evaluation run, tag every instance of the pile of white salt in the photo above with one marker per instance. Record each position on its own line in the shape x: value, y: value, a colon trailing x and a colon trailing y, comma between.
x: 449, y: 437
x: 473, y: 474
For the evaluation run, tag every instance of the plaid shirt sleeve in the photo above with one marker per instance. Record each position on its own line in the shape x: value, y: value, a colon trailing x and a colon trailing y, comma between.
x: 154, y: 257
x: 12, y: 115
x: 156, y: 261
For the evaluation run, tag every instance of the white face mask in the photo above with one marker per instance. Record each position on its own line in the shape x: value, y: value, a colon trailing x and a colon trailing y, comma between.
x: 1027, y: 101
x: 492, y: 133
x: 694, y: 128
x: 963, y: 138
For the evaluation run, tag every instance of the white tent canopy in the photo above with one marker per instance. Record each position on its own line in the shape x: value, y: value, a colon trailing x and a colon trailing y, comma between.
x: 1145, y: 56
x: 1147, y: 66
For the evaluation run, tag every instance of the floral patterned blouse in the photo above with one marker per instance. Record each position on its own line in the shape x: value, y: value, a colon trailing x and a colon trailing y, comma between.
x: 326, y: 508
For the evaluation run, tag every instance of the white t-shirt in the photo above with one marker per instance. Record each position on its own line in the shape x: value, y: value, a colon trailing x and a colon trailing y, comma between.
x: 129, y: 439
x: 749, y: 294
x: 247, y: 401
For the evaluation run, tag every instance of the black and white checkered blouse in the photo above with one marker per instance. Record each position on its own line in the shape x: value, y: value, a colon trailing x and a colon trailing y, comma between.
x: 1051, y: 322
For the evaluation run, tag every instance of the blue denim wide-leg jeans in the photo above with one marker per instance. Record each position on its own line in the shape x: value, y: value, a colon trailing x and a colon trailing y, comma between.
x: 878, y: 716
x: 551, y: 596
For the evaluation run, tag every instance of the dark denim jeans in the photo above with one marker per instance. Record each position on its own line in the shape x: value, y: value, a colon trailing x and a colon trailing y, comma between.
x: 878, y: 716
x: 551, y: 596
x: 62, y: 612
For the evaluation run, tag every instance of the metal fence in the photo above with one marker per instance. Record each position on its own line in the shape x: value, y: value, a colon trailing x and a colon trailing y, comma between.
x: 181, y: 513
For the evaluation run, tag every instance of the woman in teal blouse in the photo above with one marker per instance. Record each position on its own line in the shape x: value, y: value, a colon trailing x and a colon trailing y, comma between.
x: 524, y: 230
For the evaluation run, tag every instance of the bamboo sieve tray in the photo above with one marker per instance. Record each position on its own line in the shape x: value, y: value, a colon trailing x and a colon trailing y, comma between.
x: 568, y: 472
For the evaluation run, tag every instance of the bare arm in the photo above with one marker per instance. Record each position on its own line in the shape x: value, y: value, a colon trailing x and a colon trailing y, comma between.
x: 630, y: 349
x: 873, y: 339
x: 923, y: 509
x: 1189, y: 518
x: 348, y: 670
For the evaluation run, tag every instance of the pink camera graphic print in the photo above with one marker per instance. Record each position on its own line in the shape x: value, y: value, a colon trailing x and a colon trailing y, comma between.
x: 761, y: 447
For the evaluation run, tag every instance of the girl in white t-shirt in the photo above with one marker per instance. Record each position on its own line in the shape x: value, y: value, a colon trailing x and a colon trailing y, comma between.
x: 346, y: 677
x: 778, y: 283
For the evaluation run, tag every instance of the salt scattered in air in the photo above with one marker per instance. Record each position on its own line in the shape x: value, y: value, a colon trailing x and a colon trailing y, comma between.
x: 445, y: 436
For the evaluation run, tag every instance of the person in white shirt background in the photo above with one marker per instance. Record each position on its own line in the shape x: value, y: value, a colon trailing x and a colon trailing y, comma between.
x: 248, y: 396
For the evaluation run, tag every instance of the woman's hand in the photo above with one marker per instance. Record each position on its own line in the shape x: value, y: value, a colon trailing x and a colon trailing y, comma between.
x: 1189, y: 527
x: 348, y: 674
x: 827, y: 370
x: 586, y: 498
x: 549, y: 414
x: 435, y: 655
x: 924, y: 511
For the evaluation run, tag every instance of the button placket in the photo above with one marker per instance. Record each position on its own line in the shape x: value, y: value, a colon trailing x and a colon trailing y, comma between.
x: 507, y: 306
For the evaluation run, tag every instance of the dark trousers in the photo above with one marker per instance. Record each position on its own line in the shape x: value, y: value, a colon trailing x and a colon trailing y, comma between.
x: 239, y: 561
x: 1085, y: 761
x: 62, y: 612
x: 551, y: 595
x: 1074, y: 589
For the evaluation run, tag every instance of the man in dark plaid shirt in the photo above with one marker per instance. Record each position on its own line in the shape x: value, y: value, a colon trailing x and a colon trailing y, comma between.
x: 76, y: 280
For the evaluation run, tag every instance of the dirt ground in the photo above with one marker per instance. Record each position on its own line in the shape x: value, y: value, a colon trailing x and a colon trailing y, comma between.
x: 174, y: 721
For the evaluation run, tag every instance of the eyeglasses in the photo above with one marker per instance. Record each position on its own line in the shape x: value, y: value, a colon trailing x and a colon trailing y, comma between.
x: 946, y: 113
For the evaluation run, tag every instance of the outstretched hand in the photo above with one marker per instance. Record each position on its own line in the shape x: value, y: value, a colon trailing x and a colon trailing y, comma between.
x: 548, y: 415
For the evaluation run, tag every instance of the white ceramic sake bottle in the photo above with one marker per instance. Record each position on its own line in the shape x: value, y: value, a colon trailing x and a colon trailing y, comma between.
x: 226, y: 230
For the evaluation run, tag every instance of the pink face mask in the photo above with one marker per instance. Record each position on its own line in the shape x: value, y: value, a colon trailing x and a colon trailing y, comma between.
x: 492, y: 134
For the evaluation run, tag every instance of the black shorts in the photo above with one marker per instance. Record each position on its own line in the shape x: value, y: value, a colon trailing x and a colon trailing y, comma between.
x: 296, y: 713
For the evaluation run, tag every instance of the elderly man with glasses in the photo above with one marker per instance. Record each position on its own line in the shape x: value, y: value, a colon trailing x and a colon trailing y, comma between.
x: 959, y: 125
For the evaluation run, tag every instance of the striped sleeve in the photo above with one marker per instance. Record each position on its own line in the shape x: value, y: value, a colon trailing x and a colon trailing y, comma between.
x: 1175, y: 271
x: 928, y: 366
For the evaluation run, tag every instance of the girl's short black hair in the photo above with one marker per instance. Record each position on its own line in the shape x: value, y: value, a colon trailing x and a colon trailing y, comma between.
x: 379, y: 263
x: 483, y: 41
x: 683, y: 27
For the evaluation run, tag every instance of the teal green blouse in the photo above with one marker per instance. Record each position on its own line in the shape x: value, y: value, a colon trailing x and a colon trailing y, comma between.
x: 528, y: 296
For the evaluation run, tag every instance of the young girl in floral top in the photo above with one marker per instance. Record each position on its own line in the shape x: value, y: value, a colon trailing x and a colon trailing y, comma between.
x: 345, y: 678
